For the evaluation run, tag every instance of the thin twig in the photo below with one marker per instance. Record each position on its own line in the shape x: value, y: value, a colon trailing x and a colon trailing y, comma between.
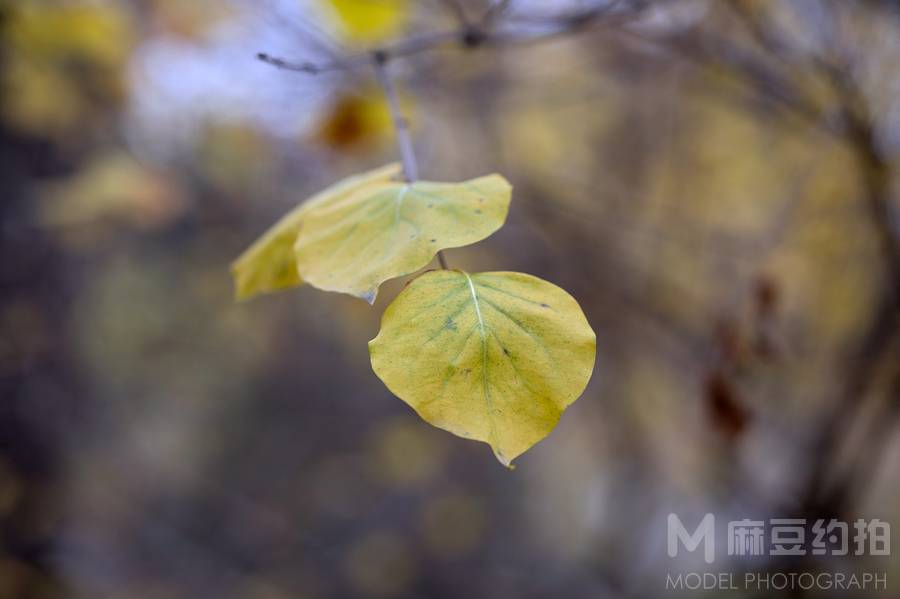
x: 401, y: 125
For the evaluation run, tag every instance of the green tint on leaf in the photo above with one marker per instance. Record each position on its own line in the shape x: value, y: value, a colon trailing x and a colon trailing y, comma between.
x: 269, y: 264
x: 387, y: 229
x: 494, y: 357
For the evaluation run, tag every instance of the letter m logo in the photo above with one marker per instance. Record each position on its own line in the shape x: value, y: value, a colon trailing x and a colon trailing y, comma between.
x: 706, y: 533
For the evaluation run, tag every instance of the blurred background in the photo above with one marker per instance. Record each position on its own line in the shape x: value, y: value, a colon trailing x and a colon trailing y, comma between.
x: 714, y: 181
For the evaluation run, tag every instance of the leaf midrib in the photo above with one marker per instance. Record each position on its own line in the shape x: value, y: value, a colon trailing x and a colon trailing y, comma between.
x: 484, y: 359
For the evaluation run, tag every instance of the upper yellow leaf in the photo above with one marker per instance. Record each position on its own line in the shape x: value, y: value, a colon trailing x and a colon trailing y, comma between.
x: 387, y: 229
x: 269, y: 265
x: 494, y: 357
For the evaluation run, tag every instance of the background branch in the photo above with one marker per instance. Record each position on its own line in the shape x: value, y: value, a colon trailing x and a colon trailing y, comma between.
x: 489, y: 32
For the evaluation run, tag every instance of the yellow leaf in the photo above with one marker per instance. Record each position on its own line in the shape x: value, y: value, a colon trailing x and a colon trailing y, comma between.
x: 269, y: 264
x: 388, y: 229
x: 494, y: 357
x: 368, y: 21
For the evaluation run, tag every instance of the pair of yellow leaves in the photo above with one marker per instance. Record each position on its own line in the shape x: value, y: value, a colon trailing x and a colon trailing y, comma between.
x: 494, y: 357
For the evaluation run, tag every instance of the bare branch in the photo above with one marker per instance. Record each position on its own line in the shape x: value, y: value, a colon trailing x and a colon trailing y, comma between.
x: 473, y: 35
x: 309, y: 67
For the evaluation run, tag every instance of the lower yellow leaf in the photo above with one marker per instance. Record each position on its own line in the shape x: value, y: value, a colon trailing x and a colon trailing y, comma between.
x: 494, y: 357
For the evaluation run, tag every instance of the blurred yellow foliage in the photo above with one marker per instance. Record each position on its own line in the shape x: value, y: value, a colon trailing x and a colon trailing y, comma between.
x: 380, y: 564
x: 338, y: 486
x: 369, y: 21
x: 453, y: 524
x: 97, y: 32
x: 112, y: 188
x: 234, y: 156
x: 356, y: 120
x: 403, y: 453
x: 191, y: 20
x: 62, y: 61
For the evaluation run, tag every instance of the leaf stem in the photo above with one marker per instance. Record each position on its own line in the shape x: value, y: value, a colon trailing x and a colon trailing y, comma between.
x: 401, y: 127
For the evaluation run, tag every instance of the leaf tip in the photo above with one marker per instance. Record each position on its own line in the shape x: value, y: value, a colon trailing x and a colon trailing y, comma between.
x: 507, y: 462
